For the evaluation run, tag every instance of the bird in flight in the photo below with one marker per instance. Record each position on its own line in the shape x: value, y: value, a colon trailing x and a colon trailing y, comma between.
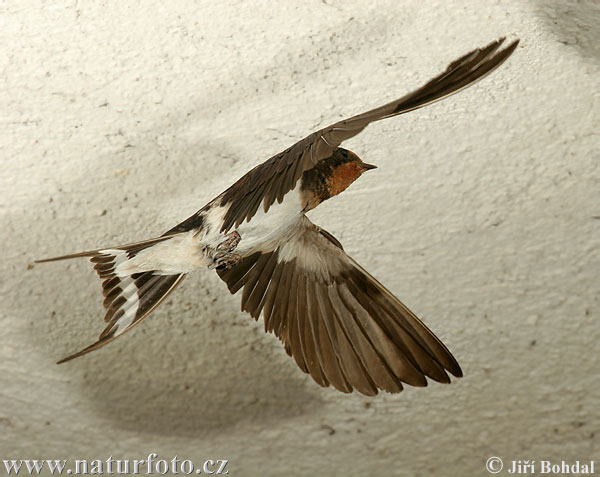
x: 338, y: 322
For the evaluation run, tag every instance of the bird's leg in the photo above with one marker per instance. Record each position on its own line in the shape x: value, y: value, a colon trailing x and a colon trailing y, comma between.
x: 223, y: 256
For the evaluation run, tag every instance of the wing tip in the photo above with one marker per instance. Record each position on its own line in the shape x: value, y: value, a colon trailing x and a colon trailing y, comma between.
x: 456, y: 371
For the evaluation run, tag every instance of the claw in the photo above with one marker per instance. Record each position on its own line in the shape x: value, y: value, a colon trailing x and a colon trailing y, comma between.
x: 223, y: 256
x: 227, y: 261
x: 233, y: 238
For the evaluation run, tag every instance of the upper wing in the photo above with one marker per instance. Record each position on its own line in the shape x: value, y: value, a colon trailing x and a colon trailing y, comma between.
x: 272, y: 179
x: 339, y: 323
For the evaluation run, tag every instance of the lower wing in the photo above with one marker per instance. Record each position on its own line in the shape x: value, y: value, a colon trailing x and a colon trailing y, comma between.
x: 337, y: 321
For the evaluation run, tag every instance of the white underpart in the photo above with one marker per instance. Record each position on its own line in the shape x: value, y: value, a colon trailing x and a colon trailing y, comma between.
x: 312, y: 251
x: 187, y: 251
x: 214, y: 220
x: 120, y: 255
x: 265, y: 231
x: 180, y: 254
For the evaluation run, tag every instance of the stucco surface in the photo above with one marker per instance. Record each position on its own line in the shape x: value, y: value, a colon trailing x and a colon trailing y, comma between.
x: 120, y: 119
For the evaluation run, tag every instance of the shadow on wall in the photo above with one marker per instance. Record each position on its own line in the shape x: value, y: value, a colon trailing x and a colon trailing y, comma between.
x: 575, y: 23
x: 191, y: 373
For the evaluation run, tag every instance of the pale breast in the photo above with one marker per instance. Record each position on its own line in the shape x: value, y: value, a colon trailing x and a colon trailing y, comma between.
x: 266, y: 230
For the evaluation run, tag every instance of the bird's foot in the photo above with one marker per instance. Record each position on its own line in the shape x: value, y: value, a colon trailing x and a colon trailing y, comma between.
x: 227, y: 261
x: 223, y: 256
x: 229, y: 244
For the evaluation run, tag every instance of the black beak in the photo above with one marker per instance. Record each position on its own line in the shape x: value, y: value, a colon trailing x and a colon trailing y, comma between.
x: 368, y: 167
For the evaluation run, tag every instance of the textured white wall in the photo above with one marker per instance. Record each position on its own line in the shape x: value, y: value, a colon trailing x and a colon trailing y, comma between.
x: 119, y: 119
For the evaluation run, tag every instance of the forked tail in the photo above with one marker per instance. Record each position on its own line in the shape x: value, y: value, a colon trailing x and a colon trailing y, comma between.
x: 128, y: 298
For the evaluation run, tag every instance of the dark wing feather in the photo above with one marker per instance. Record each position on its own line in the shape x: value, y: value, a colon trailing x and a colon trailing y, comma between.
x: 340, y: 324
x: 278, y: 175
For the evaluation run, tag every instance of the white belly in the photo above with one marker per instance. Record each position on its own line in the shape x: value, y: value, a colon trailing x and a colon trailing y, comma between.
x: 187, y: 251
x: 264, y: 231
x: 267, y: 230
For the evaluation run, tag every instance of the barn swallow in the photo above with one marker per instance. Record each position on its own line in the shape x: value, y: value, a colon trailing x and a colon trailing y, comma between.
x: 338, y: 322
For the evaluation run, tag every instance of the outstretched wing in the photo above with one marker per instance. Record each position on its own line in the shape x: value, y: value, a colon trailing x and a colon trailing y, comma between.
x: 339, y: 323
x: 274, y: 178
